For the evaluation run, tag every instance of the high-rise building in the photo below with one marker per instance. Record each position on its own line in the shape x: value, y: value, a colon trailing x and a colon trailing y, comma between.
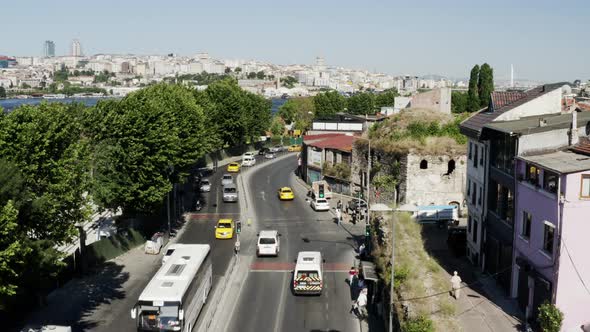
x: 76, y: 48
x: 49, y: 49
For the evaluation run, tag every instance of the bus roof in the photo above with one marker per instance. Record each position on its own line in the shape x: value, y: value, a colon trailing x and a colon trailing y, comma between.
x: 309, y: 258
x: 173, y: 278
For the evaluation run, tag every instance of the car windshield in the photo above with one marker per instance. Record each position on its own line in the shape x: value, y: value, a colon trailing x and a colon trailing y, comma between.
x: 229, y: 190
x: 224, y: 225
x: 233, y: 165
x: 227, y: 177
x: 287, y: 191
x: 307, y: 274
x: 205, y: 183
x: 159, y: 318
x: 267, y: 240
x: 321, y: 201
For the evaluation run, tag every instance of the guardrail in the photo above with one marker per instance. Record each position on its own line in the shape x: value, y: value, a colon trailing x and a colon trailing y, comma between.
x: 222, y: 284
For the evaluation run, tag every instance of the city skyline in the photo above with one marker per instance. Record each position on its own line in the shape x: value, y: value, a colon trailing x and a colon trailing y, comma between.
x: 459, y: 35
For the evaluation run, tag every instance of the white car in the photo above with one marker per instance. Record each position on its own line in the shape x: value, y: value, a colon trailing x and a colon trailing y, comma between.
x: 269, y: 155
x: 320, y: 204
x: 276, y: 148
x: 227, y: 179
x: 248, y: 154
x: 248, y: 160
x: 205, y: 186
x: 268, y: 243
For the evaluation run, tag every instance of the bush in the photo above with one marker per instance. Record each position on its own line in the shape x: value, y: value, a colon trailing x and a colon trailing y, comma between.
x: 418, y: 324
x: 114, y: 246
x: 550, y: 317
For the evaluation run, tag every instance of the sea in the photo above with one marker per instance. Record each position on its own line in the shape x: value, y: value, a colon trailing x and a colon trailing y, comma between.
x: 9, y: 104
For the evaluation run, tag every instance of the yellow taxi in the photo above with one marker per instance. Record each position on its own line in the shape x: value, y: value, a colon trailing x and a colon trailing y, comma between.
x: 224, y: 229
x: 294, y: 148
x: 286, y: 194
x: 233, y: 167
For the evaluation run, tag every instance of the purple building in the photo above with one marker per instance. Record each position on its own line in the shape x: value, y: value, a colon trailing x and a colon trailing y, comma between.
x: 552, y: 233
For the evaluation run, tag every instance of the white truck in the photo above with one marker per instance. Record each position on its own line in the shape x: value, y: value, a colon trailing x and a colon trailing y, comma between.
x: 440, y: 214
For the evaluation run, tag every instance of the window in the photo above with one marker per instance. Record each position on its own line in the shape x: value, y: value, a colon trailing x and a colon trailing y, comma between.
x: 475, y: 156
x: 424, y: 164
x: 501, y: 200
x: 532, y: 174
x: 480, y: 200
x: 548, y: 234
x: 585, y: 189
x: 474, y: 234
x: 527, y: 219
x: 481, y: 156
x: 468, y: 187
x: 550, y: 181
x: 474, y: 193
x: 502, y: 152
x: 469, y: 224
x: 470, y: 148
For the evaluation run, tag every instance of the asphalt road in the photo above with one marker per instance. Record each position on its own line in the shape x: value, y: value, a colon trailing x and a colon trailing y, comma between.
x: 265, y: 302
x: 199, y: 229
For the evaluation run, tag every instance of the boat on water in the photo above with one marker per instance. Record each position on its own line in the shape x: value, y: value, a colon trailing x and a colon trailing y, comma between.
x: 54, y: 96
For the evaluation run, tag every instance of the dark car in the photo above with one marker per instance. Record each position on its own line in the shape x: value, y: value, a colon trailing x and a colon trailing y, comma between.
x: 457, y: 240
x: 356, y: 205
x: 262, y: 151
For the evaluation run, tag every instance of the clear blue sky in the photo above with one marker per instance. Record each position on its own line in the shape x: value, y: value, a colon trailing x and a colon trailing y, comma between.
x: 545, y: 40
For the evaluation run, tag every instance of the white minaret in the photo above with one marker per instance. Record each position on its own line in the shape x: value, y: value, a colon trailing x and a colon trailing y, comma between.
x: 511, y: 76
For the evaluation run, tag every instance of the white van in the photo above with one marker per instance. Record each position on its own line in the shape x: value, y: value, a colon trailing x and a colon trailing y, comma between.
x: 268, y: 243
x: 248, y: 160
x: 308, y: 277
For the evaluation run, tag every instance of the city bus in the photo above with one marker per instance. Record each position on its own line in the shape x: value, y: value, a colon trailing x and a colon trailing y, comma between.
x: 174, y: 297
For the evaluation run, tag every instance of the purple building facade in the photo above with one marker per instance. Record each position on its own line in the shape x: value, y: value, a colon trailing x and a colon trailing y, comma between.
x: 552, y: 234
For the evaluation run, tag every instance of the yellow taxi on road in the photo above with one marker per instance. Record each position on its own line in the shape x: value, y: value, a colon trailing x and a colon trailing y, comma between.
x: 233, y: 167
x: 224, y: 229
x: 286, y: 194
x: 294, y: 148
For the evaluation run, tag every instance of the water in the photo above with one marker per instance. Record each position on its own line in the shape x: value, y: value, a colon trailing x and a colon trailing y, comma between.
x: 10, y: 104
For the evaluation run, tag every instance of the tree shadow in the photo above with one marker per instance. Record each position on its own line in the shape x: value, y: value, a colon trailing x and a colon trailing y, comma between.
x: 84, y: 296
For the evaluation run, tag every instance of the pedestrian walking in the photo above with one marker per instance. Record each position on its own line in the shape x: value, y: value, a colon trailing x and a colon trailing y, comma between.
x: 361, y: 250
x: 352, y: 273
x: 456, y: 285
x: 338, y: 216
x: 339, y: 205
x: 358, y: 306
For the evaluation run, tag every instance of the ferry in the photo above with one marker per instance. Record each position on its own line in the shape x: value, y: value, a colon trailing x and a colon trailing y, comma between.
x: 54, y: 96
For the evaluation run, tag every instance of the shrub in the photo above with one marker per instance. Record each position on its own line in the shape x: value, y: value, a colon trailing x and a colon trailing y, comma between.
x: 550, y: 317
x: 418, y: 324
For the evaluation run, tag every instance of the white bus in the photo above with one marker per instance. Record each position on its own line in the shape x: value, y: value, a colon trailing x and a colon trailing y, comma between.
x: 174, y: 297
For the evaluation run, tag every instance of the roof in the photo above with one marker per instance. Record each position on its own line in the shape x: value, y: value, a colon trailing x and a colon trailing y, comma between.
x: 268, y: 232
x: 501, y: 103
x: 340, y: 142
x: 531, y: 124
x: 583, y: 147
x: 173, y: 278
x: 562, y: 162
x: 309, y: 257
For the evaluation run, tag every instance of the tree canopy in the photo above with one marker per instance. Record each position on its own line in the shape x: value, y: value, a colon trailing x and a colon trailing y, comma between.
x: 299, y: 111
x: 328, y: 103
x: 485, y: 84
x: 473, y: 102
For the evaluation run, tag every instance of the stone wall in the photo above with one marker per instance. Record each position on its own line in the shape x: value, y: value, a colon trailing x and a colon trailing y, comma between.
x: 438, y: 100
x: 438, y: 183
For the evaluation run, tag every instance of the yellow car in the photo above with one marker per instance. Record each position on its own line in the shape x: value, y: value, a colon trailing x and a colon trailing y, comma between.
x: 286, y: 194
x: 233, y: 167
x: 294, y: 148
x: 224, y: 229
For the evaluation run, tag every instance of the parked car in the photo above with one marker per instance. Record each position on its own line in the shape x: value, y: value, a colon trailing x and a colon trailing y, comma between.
x: 205, y: 186
x: 269, y: 155
x: 356, y: 205
x: 276, y: 148
x: 262, y: 151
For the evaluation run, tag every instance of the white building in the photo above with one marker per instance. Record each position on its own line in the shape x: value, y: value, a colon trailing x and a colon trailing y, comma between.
x: 76, y: 48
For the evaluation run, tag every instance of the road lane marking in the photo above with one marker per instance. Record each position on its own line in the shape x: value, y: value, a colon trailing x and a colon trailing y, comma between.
x: 280, y: 310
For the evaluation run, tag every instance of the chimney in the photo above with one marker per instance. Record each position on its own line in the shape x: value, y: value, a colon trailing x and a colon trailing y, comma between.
x: 574, y: 131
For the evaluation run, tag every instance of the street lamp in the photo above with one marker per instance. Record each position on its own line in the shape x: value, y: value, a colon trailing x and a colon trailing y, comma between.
x: 384, y: 208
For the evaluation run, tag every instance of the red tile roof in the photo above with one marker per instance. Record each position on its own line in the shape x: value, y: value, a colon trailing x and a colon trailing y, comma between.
x: 583, y: 147
x: 502, y: 98
x: 339, y: 142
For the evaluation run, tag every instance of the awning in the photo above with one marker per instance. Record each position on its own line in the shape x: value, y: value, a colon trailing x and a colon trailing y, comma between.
x: 369, y: 271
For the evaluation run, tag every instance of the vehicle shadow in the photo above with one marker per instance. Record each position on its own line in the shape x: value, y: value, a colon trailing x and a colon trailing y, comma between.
x: 84, y: 295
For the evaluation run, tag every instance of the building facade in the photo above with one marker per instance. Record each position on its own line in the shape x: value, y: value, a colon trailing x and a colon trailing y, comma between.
x: 49, y: 49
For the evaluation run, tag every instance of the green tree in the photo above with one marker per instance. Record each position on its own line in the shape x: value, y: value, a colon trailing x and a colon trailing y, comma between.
x: 140, y: 139
x: 288, y: 81
x: 227, y: 70
x: 485, y: 84
x: 473, y: 102
x: 260, y: 75
x: 61, y: 75
x: 299, y: 111
x: 361, y: 103
x: 459, y: 102
x: 238, y: 70
x: 12, y: 250
x: 25, y: 86
x: 277, y: 127
x: 550, y: 317
x: 386, y: 98
x: 328, y: 103
x: 251, y: 75
x: 2, y: 92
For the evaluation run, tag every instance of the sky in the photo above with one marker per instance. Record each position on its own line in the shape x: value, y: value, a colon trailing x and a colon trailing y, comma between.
x: 546, y: 41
